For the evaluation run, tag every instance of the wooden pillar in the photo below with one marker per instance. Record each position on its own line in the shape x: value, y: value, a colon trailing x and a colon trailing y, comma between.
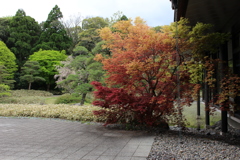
x: 223, y: 55
x: 198, y: 104
x: 224, y: 121
x: 198, y: 111
x: 206, y: 99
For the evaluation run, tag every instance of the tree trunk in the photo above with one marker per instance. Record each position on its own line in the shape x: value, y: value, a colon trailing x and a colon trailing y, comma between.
x: 48, y: 87
x: 29, y: 86
x: 83, y: 98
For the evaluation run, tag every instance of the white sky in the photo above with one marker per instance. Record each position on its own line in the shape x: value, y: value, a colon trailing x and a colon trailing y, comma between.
x: 154, y: 12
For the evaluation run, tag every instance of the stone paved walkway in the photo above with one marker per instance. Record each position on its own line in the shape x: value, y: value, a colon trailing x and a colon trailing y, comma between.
x: 41, y: 139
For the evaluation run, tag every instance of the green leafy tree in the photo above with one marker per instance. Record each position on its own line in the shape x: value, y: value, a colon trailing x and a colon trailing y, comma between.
x: 157, y: 28
x: 85, y: 70
x: 79, y: 50
x: 4, y: 76
x: 4, y: 28
x: 5, y: 82
x: 89, y: 37
x: 101, y: 48
x: 94, y: 22
x: 4, y: 90
x: 48, y: 60
x: 30, y: 72
x: 123, y: 18
x: 24, y: 32
x: 53, y: 36
x: 7, y: 59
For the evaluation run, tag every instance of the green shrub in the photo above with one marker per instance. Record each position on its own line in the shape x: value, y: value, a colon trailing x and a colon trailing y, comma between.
x: 62, y: 111
x: 26, y: 97
x: 89, y: 98
x: 23, y: 93
x: 67, y: 99
x: 4, y: 90
x: 23, y: 100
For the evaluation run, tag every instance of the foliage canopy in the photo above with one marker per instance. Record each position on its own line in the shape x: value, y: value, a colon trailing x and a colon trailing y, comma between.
x: 148, y: 79
x: 30, y: 71
x: 48, y: 60
x: 7, y: 58
x: 54, y: 35
x: 23, y: 34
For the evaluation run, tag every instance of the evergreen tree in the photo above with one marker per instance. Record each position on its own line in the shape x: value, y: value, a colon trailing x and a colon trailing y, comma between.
x: 79, y: 50
x: 4, y: 76
x: 30, y: 72
x: 4, y: 28
x: 7, y: 59
x: 84, y: 70
x: 24, y: 32
x: 100, y: 49
x: 89, y: 37
x: 53, y: 36
x: 123, y: 18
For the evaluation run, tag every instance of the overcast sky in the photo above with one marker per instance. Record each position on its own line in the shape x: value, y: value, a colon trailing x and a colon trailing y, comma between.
x: 155, y: 12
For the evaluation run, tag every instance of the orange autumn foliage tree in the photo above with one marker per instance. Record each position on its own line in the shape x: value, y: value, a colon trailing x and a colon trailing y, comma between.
x: 141, y: 84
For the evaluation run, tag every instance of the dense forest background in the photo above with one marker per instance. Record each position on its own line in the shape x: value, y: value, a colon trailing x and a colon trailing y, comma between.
x: 56, y: 55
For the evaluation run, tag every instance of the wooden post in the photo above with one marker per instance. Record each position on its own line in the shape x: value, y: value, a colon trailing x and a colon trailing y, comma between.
x: 198, y: 111
x: 224, y: 121
x: 206, y: 98
x: 224, y: 57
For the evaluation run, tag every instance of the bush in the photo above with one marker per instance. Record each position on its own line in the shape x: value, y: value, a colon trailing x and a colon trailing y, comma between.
x: 4, y: 90
x: 67, y: 99
x: 26, y: 97
x: 26, y: 93
x: 62, y: 111
x: 89, y: 98
x: 23, y: 100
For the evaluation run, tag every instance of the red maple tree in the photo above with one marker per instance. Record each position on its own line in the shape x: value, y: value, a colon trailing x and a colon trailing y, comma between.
x: 142, y: 85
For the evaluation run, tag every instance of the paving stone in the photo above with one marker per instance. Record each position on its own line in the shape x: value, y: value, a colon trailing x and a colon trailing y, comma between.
x: 33, y: 154
x: 24, y: 158
x: 122, y: 158
x: 34, y: 138
x: 39, y: 158
x: 111, y: 152
x: 60, y: 156
x: 8, y: 158
x: 126, y: 154
x: 90, y: 157
x: 138, y: 158
x: 106, y: 158
x: 142, y: 150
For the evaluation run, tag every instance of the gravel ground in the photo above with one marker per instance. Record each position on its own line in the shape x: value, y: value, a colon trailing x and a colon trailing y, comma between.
x: 207, y: 144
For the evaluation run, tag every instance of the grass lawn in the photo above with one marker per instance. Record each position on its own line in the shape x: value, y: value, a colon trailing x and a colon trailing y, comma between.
x: 51, y: 99
x: 191, y: 115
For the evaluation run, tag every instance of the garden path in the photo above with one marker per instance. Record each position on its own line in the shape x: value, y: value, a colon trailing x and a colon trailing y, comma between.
x: 40, y: 139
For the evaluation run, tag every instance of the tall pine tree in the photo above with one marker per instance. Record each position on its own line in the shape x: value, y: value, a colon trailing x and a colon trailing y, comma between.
x: 24, y: 32
x: 53, y: 36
